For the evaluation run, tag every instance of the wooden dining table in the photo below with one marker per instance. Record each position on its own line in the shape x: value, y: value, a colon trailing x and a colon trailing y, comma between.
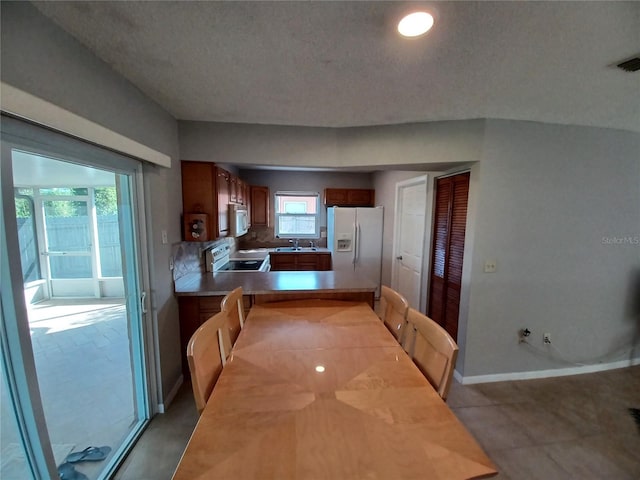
x: 320, y: 389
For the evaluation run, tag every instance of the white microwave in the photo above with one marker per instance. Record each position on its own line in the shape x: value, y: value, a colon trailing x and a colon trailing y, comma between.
x: 238, y: 219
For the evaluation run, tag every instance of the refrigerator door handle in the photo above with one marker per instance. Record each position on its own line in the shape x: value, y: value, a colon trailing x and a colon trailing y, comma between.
x: 355, y: 244
x: 358, y: 243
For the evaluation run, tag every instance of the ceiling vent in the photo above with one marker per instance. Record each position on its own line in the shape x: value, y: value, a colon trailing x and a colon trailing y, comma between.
x: 631, y: 65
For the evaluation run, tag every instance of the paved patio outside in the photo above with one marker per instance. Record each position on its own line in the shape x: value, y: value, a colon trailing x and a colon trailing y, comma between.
x: 82, y: 355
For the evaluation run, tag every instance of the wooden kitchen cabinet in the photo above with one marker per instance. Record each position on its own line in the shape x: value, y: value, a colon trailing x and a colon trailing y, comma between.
x: 349, y: 197
x: 194, y: 311
x: 282, y: 261
x: 209, y: 189
x: 324, y: 261
x: 313, y: 261
x: 259, y: 206
x: 199, y: 194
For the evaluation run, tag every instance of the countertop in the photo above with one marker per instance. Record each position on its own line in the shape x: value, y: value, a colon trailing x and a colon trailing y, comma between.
x: 262, y: 283
x: 260, y: 253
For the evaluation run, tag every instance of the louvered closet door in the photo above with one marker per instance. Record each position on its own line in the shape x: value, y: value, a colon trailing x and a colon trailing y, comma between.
x: 439, y: 252
x: 448, y: 250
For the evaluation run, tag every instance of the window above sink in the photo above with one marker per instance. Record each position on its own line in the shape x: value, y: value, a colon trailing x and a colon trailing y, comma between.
x: 297, y: 215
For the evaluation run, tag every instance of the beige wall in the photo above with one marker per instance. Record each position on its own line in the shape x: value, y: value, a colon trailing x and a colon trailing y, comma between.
x: 439, y: 144
x: 547, y: 202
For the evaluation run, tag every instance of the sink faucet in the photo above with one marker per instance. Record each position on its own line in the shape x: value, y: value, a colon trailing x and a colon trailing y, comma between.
x: 295, y: 241
x: 311, y: 244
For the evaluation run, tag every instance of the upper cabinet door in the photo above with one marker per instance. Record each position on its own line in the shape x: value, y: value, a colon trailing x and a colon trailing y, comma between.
x: 335, y: 196
x: 199, y: 193
x: 260, y: 206
x: 361, y: 197
x: 349, y: 197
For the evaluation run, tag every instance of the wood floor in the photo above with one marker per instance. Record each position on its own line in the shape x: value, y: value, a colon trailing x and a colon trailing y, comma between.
x: 576, y: 427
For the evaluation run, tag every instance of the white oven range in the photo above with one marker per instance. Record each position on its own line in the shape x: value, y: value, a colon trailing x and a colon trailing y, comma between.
x: 217, y: 260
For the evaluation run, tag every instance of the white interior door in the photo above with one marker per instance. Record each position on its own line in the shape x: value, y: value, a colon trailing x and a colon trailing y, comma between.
x: 408, y: 245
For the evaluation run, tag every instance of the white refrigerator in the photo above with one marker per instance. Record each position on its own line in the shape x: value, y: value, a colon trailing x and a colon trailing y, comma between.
x: 354, y: 236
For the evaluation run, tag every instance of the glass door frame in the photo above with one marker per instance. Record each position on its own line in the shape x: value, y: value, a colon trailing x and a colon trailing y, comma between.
x: 18, y: 359
x: 17, y: 353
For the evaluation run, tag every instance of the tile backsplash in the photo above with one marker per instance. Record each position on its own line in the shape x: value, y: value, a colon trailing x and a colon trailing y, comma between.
x: 188, y: 257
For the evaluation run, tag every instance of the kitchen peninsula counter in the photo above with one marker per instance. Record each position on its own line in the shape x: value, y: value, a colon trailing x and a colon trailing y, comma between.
x: 271, y: 283
x: 199, y: 294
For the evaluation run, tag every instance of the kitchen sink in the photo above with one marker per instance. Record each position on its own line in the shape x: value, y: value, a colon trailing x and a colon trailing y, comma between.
x: 296, y: 249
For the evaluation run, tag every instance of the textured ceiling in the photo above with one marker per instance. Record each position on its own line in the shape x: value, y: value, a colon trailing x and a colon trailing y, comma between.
x: 337, y: 64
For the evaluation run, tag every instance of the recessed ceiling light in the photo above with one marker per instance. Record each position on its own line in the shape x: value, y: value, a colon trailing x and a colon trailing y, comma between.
x: 415, y: 24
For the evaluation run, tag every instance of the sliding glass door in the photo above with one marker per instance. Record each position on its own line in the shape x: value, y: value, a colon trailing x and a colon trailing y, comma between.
x: 75, y: 369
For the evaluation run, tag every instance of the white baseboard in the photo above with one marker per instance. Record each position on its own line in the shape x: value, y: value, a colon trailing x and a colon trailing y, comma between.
x: 558, y: 372
x: 162, y: 407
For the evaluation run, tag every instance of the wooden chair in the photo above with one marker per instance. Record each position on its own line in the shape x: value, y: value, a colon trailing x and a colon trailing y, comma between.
x: 393, y: 311
x: 432, y: 349
x: 207, y: 353
x: 232, y: 305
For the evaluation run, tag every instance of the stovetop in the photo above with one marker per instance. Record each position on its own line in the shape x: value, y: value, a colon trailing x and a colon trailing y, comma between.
x: 241, y: 265
x: 217, y: 260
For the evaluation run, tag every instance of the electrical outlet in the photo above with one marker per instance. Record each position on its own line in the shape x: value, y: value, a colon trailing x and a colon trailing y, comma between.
x: 546, y: 338
x: 523, y: 333
x: 490, y: 266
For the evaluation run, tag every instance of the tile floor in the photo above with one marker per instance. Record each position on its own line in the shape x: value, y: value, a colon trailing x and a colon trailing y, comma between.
x: 576, y: 427
x: 562, y: 428
x: 160, y: 447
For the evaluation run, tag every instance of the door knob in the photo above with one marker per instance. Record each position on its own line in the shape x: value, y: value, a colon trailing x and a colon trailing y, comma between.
x: 399, y: 258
